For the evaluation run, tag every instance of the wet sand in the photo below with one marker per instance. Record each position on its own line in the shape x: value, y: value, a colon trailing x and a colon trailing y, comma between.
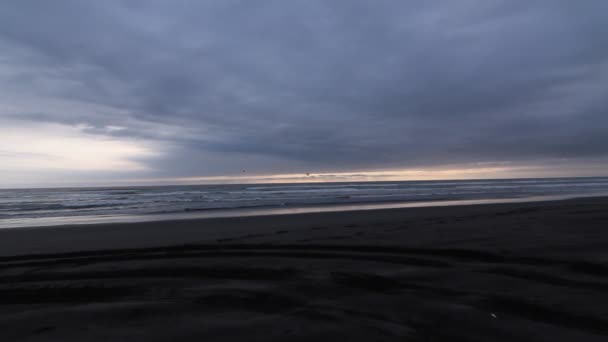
x: 502, y: 272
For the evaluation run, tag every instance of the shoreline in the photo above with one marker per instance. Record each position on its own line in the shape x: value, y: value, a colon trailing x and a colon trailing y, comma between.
x: 84, y: 220
x: 223, y: 228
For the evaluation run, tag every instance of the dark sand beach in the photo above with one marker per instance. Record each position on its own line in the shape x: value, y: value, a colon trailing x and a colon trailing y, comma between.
x: 500, y: 272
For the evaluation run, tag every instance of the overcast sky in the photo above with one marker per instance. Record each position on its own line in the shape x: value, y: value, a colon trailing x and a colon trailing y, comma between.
x: 126, y: 91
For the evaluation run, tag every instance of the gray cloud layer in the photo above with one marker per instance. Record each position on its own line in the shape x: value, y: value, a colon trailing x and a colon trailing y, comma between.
x: 277, y: 86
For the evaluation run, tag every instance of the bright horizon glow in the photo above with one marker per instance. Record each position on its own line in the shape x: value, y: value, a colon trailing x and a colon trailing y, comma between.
x: 402, y: 175
x: 419, y: 174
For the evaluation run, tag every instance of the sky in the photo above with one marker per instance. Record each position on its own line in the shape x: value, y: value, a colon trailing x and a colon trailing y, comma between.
x: 155, y: 92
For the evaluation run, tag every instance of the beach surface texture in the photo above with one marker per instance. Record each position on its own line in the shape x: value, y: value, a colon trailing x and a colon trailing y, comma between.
x: 533, y: 271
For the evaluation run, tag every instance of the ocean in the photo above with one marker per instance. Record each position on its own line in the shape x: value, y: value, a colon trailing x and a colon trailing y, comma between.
x: 44, y: 207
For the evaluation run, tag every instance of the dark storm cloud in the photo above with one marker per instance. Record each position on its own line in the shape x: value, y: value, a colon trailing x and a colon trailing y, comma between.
x: 327, y: 85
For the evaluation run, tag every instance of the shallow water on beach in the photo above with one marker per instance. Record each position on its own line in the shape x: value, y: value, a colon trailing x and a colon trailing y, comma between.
x: 39, y: 207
